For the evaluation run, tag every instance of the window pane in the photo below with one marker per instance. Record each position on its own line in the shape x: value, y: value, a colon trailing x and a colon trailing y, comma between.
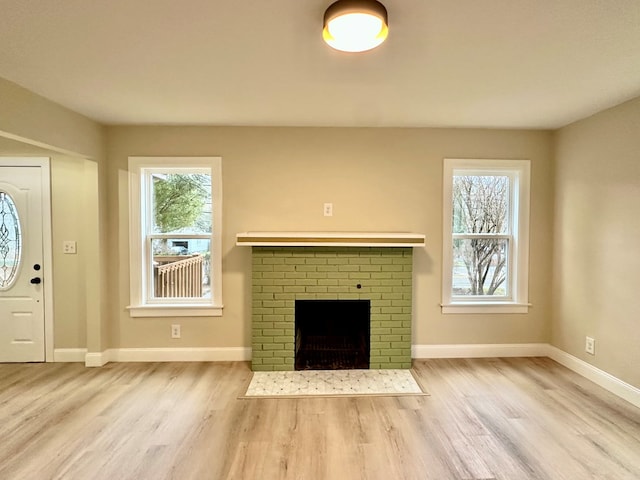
x: 480, y: 267
x: 181, y: 268
x: 10, y: 241
x: 481, y: 204
x: 181, y: 203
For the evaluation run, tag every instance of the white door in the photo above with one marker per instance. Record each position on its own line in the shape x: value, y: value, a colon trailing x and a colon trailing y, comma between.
x: 22, y: 326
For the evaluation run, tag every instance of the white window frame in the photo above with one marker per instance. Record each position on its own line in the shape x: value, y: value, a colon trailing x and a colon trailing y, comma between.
x: 517, y: 301
x: 142, y: 305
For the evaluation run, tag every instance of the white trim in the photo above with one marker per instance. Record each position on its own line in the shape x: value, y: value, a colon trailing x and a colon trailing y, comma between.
x: 520, y: 173
x: 486, y: 308
x: 234, y: 354
x: 607, y: 381
x: 334, y: 239
x: 140, y: 305
x: 63, y: 355
x: 480, y: 350
x: 222, y: 354
x: 97, y: 359
x: 149, y: 311
x: 47, y: 243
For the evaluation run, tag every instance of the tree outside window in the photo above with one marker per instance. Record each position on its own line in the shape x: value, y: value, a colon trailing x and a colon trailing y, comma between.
x: 481, y: 237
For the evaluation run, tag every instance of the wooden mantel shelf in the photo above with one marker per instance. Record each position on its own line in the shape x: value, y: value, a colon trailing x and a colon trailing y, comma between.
x: 327, y: 239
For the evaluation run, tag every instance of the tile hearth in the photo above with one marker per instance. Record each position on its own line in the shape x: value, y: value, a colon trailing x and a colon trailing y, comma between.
x: 333, y: 382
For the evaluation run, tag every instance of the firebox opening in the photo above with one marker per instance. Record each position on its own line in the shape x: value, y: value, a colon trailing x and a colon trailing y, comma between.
x: 332, y: 334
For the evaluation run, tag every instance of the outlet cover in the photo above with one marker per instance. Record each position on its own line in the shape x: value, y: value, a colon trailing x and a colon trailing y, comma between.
x: 590, y: 346
x: 175, y: 331
x: 328, y: 209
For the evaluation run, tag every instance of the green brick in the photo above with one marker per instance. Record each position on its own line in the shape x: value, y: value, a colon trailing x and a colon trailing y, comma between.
x: 359, y: 260
x: 272, y: 332
x: 273, y: 361
x: 381, y: 289
x: 380, y: 345
x: 348, y: 296
x: 306, y: 268
x: 260, y: 325
x: 349, y: 268
x: 273, y: 275
x: 273, y: 261
x: 317, y: 289
x: 294, y: 261
x: 391, y: 352
x: 315, y: 261
x: 339, y: 261
x: 273, y: 346
x: 262, y: 268
x: 327, y: 268
x: 273, y: 303
x: 325, y: 296
x: 281, y: 325
x: 380, y: 331
x: 293, y: 289
x: 378, y: 359
x: 359, y: 276
x: 391, y: 310
x: 399, y: 359
x: 295, y: 275
x: 317, y: 275
x: 285, y: 296
x: 262, y: 354
x: 272, y: 289
x: 262, y: 296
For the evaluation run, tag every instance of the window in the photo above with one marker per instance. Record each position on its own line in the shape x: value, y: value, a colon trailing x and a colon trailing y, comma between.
x: 486, y: 236
x: 175, y: 236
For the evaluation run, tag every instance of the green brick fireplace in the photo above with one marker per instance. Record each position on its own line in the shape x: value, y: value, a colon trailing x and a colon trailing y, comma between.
x: 283, y: 274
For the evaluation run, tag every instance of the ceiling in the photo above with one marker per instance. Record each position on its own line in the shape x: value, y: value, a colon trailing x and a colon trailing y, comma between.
x: 460, y: 63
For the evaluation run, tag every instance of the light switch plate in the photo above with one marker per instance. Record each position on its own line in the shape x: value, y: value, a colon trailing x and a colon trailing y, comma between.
x: 69, y: 247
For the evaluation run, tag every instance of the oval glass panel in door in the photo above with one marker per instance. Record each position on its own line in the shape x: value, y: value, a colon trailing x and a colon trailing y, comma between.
x: 10, y: 241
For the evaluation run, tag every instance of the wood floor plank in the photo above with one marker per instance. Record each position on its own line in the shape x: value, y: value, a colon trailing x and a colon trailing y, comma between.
x: 489, y: 419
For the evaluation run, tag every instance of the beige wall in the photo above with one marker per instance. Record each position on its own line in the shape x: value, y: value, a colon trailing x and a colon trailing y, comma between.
x: 597, y: 230
x: 33, y: 125
x: 377, y: 180
x: 35, y: 120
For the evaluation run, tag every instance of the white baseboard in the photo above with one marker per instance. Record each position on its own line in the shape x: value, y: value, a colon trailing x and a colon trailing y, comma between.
x: 231, y: 354
x: 96, y: 359
x: 480, y: 350
x: 607, y: 381
x: 600, y: 377
x: 63, y: 355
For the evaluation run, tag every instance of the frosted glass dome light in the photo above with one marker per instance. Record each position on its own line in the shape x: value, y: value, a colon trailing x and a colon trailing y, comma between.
x: 355, y: 25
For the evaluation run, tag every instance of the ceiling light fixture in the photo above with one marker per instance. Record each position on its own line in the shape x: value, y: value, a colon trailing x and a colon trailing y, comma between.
x: 355, y: 25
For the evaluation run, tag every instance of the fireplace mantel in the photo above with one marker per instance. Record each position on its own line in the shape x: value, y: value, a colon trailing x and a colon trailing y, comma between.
x: 327, y: 239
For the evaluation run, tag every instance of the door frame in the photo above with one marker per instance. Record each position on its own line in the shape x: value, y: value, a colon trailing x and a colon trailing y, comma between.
x: 47, y: 247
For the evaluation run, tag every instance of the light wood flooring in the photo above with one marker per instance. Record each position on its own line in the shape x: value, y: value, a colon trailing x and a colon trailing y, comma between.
x: 512, y: 419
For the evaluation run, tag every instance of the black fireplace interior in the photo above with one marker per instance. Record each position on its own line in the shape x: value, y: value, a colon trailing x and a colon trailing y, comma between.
x: 332, y: 334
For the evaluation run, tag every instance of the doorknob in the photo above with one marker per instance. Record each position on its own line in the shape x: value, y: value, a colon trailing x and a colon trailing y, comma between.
x: 36, y: 280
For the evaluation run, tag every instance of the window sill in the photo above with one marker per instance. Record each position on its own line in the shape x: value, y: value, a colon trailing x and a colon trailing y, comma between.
x: 174, y: 311
x: 480, y: 308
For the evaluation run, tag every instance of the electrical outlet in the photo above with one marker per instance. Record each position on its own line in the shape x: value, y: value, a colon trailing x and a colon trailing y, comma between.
x: 175, y: 331
x: 69, y: 247
x: 590, y: 346
x: 328, y: 209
